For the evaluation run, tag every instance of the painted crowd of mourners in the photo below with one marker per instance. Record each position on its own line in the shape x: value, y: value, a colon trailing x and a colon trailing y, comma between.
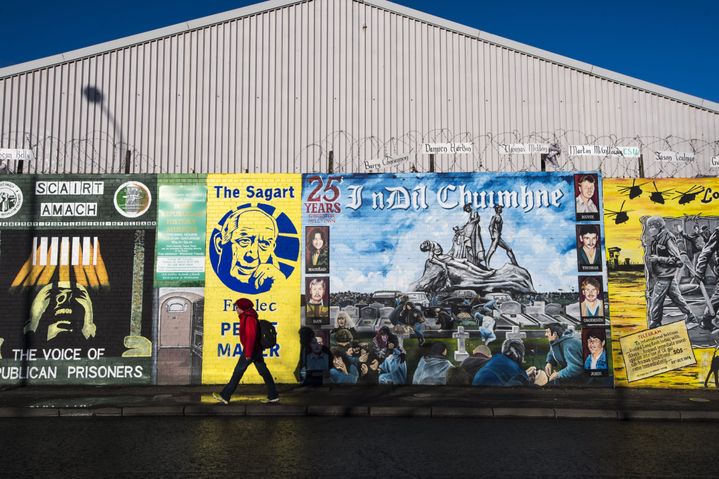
x: 383, y: 359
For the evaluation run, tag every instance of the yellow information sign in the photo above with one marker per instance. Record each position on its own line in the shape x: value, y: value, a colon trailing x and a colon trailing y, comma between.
x: 253, y: 241
x: 656, y: 351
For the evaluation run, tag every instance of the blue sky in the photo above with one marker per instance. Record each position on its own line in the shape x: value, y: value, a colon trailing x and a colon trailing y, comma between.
x: 669, y: 42
x: 373, y: 249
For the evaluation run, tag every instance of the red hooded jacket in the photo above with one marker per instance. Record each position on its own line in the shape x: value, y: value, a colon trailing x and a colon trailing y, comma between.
x: 249, y: 326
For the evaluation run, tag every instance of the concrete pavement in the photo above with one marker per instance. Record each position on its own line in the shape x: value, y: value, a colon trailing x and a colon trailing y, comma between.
x: 404, y: 401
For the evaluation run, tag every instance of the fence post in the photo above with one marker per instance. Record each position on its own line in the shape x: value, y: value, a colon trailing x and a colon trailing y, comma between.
x: 641, y: 166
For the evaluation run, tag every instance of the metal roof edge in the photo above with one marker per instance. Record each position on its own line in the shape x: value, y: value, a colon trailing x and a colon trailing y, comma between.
x: 546, y: 55
x: 383, y: 4
x: 144, y: 37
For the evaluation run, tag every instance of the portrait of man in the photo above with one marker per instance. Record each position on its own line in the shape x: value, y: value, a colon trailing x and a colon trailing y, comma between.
x: 317, y: 249
x: 317, y: 300
x: 589, y: 255
x: 245, y: 251
x: 590, y: 297
x: 587, y: 197
x: 594, y: 350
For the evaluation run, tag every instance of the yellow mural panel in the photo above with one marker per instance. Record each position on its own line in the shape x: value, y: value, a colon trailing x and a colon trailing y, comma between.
x: 253, y: 241
x: 665, y: 274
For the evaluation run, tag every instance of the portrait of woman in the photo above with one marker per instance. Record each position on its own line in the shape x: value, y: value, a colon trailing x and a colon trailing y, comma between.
x: 317, y: 248
x: 343, y: 321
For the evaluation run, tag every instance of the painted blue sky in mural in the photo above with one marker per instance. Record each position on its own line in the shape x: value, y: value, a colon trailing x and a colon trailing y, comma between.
x: 374, y: 249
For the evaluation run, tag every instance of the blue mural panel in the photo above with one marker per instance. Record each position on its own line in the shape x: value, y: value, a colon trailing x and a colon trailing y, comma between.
x: 464, y: 278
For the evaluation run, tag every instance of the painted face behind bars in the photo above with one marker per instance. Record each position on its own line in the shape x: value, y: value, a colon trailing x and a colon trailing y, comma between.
x: 64, y: 308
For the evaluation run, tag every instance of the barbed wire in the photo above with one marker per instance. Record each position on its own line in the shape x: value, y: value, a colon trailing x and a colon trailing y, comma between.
x: 96, y: 153
x: 100, y: 152
x: 486, y: 154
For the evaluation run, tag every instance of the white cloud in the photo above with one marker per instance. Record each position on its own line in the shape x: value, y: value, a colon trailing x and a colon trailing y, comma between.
x: 536, y: 238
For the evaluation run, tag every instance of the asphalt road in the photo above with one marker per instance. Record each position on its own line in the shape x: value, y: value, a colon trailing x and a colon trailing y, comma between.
x: 353, y: 447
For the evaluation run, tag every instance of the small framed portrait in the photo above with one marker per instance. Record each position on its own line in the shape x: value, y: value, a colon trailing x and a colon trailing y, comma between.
x: 317, y: 249
x: 317, y: 299
x: 589, y: 248
x: 591, y: 304
x: 594, y: 349
x: 586, y: 197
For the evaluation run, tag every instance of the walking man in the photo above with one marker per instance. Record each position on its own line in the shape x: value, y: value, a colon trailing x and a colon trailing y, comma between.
x: 251, y: 353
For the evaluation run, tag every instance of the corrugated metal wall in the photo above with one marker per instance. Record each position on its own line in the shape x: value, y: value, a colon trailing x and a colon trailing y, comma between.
x: 277, y: 91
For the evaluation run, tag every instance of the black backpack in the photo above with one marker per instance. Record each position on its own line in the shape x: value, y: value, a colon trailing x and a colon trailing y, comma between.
x: 268, y: 334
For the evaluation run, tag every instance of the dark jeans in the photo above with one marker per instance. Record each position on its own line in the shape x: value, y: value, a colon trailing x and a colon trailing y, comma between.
x: 242, y: 364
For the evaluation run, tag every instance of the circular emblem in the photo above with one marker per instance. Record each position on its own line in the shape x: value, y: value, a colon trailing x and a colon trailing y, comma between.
x: 253, y: 248
x: 132, y: 199
x: 10, y: 199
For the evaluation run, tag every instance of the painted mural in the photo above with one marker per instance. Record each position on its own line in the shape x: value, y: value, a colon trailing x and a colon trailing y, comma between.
x: 468, y: 278
x: 663, y: 247
x: 488, y: 279
x: 253, y: 251
x: 76, y: 279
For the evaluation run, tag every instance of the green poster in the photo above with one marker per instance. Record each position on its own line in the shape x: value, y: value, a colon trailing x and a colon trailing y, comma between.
x: 181, y: 235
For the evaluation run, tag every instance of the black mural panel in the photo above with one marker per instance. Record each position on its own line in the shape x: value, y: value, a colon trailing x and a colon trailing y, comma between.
x: 76, y: 271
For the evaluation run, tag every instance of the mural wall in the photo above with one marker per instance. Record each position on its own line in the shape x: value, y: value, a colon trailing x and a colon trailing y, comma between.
x: 662, y: 244
x: 76, y: 268
x: 253, y: 251
x: 471, y: 278
x: 477, y: 278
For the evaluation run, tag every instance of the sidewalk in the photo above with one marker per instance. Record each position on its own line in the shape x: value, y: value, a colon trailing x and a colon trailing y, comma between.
x: 400, y: 401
